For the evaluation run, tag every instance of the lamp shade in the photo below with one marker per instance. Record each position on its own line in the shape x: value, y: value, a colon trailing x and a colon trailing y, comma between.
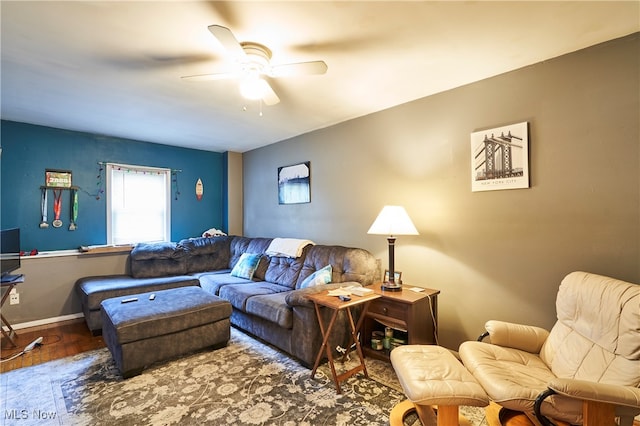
x: 393, y: 220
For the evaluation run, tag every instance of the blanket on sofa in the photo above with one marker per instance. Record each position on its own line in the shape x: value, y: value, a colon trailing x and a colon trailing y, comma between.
x: 287, y: 247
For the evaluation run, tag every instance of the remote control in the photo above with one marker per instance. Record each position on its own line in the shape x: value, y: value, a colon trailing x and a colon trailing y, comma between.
x: 344, y: 298
x: 133, y: 299
x: 152, y: 296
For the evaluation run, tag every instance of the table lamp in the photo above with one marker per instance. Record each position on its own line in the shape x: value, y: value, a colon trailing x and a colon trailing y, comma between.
x: 392, y: 221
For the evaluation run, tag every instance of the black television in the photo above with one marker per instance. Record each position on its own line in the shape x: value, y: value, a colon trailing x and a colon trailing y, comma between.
x: 9, y: 252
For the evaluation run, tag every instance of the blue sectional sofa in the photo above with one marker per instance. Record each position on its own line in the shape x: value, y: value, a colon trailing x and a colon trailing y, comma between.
x: 269, y: 300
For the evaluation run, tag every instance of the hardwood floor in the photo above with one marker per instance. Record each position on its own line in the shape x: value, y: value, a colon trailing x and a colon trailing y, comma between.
x: 58, y: 341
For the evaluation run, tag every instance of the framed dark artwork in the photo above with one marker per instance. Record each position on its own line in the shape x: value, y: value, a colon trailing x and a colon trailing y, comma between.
x: 294, y: 184
x: 500, y: 158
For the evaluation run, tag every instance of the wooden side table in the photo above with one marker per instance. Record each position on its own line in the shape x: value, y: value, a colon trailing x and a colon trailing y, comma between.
x: 337, y: 305
x: 412, y: 315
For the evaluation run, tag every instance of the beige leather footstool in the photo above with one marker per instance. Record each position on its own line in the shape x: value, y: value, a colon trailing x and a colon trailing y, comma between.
x: 432, y: 375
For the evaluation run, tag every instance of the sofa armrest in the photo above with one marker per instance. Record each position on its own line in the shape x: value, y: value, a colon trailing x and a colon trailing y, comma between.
x: 299, y: 297
x: 599, y: 392
x: 517, y: 336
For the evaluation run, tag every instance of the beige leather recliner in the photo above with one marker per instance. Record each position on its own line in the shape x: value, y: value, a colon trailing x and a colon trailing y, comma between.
x: 586, y: 370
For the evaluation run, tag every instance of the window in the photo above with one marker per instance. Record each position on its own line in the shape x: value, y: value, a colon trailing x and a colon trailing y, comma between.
x: 138, y: 204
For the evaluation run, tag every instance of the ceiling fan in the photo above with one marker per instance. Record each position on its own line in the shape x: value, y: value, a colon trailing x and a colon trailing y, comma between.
x: 252, y: 63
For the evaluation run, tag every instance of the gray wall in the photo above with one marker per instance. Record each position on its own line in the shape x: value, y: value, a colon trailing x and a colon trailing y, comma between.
x: 48, y: 292
x: 497, y: 254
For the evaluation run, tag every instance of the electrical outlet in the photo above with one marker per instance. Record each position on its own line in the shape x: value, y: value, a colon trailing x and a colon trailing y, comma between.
x: 14, y: 298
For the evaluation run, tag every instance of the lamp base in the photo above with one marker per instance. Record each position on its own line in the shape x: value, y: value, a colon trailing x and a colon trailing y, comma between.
x: 391, y: 286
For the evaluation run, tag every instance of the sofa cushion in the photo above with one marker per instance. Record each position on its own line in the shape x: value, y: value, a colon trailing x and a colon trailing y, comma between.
x: 213, y: 282
x: 348, y: 264
x: 239, y: 294
x: 160, y: 250
x: 93, y: 290
x: 241, y: 245
x: 271, y: 307
x: 246, y: 265
x: 157, y: 260
x: 285, y: 270
x: 319, y: 277
x: 207, y: 254
x: 261, y: 270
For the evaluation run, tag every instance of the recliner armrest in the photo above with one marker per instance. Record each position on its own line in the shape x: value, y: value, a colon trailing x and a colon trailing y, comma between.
x: 600, y: 392
x: 517, y: 336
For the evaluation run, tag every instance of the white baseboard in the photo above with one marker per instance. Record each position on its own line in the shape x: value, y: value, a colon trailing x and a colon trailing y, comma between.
x: 45, y: 321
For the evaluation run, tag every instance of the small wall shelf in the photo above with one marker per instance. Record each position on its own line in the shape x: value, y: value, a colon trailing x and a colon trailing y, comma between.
x: 64, y: 188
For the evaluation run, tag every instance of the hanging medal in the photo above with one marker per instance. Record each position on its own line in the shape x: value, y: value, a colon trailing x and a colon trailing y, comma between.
x: 74, y: 210
x: 57, y: 208
x: 43, y: 209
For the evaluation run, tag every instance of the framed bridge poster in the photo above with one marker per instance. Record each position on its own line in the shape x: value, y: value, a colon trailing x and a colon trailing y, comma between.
x: 500, y: 158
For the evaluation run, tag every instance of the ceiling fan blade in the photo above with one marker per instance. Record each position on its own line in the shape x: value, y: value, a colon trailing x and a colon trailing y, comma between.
x: 208, y: 77
x: 300, y: 68
x: 228, y: 40
x: 270, y: 97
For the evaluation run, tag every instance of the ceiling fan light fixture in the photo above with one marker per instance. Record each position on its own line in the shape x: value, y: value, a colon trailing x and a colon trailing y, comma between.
x: 257, y: 55
x: 252, y: 63
x: 253, y: 87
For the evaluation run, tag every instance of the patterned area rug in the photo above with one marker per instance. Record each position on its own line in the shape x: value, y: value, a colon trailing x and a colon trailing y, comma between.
x: 245, y: 383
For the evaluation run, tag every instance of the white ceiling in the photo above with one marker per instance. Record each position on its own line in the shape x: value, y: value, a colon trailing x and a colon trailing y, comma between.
x: 114, y: 67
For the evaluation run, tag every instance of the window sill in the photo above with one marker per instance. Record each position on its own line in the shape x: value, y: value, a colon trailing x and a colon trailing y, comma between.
x: 109, y: 248
x: 54, y: 253
x: 83, y: 251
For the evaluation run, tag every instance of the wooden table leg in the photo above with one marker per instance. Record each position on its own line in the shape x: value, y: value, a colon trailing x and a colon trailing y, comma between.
x: 326, y: 333
x: 365, y: 307
x: 325, y: 346
x: 12, y: 333
x: 356, y: 341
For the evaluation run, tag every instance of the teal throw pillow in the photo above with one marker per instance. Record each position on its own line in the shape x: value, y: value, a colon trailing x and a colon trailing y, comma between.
x: 246, y: 266
x: 321, y: 276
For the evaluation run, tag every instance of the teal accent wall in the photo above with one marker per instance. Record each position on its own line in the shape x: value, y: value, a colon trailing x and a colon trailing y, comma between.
x: 27, y: 150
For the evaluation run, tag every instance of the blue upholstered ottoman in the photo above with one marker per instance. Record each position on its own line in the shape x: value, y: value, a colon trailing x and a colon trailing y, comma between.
x: 162, y: 325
